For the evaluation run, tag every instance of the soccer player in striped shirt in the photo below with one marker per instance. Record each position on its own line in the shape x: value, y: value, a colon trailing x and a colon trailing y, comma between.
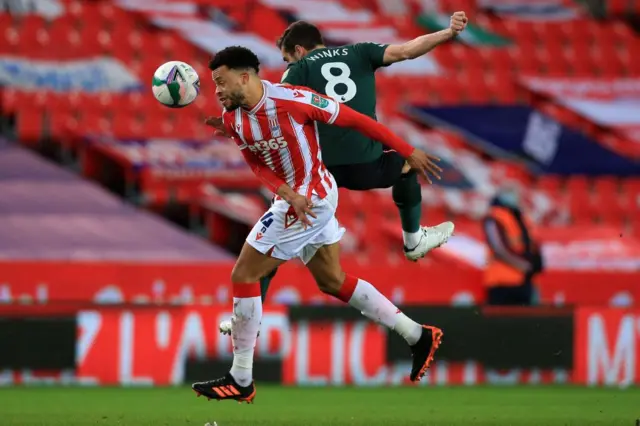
x: 357, y: 162
x: 275, y: 129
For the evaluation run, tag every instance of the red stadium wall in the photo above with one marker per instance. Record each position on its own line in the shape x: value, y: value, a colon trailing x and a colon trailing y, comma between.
x: 433, y: 283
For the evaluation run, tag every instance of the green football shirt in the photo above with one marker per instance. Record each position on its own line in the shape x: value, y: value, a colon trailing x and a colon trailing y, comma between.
x: 347, y: 74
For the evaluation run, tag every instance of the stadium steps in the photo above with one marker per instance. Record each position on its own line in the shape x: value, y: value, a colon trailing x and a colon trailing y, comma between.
x: 51, y: 214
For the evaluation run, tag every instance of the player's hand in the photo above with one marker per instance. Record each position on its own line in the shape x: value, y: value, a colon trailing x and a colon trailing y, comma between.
x: 302, y: 206
x: 458, y: 22
x: 216, y: 123
x: 425, y: 164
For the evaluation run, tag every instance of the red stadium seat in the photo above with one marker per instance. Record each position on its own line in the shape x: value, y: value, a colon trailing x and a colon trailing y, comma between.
x: 525, y: 59
x: 550, y: 184
x: 607, y: 61
x: 607, y: 199
x: 631, y: 194
x: 579, y: 56
x: 62, y: 124
x: 29, y: 127
x: 9, y: 100
x: 578, y: 184
x: 497, y: 59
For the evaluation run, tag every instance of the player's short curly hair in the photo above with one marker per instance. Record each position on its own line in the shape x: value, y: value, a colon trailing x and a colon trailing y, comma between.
x: 300, y: 33
x: 235, y: 58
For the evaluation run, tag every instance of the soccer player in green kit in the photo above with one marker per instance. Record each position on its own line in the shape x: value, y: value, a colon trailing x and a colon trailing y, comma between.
x: 347, y: 74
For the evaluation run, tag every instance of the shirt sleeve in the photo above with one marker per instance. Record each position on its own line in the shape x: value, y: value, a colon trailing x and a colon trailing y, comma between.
x: 307, y: 105
x: 311, y: 106
x: 293, y: 75
x: 267, y: 176
x: 373, y: 53
x: 228, y: 127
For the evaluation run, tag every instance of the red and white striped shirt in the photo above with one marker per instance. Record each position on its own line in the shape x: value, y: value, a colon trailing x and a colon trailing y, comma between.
x: 279, y: 138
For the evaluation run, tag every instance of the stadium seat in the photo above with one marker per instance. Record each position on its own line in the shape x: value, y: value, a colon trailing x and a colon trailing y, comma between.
x: 607, y: 200
x: 9, y: 100
x: 631, y: 194
x: 29, y: 127
x: 549, y: 184
x: 607, y: 61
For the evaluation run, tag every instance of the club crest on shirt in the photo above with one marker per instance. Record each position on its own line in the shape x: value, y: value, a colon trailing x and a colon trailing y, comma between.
x: 290, y: 217
x: 319, y: 101
x: 274, y: 127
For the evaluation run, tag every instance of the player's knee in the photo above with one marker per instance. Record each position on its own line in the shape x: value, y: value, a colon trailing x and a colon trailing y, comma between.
x: 240, y: 275
x: 331, y: 282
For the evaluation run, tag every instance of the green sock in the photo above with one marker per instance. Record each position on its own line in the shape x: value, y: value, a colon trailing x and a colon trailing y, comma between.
x: 408, y: 197
x: 265, y: 282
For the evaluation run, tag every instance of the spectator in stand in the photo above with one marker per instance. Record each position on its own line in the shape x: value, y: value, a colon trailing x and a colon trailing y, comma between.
x: 514, y: 256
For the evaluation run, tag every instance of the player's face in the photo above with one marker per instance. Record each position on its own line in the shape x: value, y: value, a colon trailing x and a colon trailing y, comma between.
x: 230, y: 87
x: 287, y: 57
x: 291, y: 57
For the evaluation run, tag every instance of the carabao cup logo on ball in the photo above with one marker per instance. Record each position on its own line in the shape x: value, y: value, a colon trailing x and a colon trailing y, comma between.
x: 176, y: 84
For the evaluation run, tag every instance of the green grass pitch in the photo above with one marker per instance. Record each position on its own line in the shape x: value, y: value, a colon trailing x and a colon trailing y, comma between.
x: 436, y: 406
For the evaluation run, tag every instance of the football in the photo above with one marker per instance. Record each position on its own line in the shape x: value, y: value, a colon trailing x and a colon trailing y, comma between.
x: 175, y: 84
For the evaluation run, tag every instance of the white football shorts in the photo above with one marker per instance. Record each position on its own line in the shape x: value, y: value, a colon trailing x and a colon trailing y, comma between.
x: 280, y: 234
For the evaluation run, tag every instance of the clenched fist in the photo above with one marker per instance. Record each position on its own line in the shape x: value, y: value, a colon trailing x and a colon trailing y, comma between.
x: 458, y: 22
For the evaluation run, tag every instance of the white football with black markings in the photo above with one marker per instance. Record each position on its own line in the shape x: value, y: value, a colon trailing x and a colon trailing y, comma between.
x: 175, y: 84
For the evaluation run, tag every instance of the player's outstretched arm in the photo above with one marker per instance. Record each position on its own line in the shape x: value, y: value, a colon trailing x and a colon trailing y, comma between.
x: 424, y: 44
x: 417, y: 159
x: 306, y: 105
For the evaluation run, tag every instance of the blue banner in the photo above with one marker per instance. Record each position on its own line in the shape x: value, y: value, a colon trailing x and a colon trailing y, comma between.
x: 87, y: 75
x: 523, y: 132
x: 188, y: 157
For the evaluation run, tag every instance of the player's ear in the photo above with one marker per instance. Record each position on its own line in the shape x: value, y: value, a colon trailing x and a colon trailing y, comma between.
x: 300, y: 51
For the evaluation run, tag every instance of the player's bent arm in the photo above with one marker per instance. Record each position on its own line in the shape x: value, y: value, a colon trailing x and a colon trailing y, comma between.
x: 415, y: 48
x: 269, y: 178
x: 285, y: 192
x: 264, y: 173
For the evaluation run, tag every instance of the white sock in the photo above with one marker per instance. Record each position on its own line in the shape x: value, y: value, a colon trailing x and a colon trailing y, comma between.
x: 373, y: 305
x: 247, y: 314
x: 411, y: 239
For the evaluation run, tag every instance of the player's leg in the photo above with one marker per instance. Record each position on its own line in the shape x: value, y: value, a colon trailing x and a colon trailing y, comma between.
x: 260, y: 255
x: 265, y: 282
x: 331, y: 279
x: 407, y: 196
x: 247, y: 308
x: 391, y: 170
x: 226, y: 325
